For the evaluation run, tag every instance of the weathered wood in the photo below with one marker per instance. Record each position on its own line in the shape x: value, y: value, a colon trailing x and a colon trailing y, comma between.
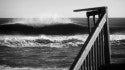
x: 95, y: 48
x: 89, y: 9
x: 88, y: 45
x: 89, y: 25
x: 107, y: 48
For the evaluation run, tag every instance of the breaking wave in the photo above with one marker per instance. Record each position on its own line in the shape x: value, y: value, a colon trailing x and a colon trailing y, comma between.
x: 57, y: 41
x: 117, y: 37
x: 42, y: 41
x: 39, y: 22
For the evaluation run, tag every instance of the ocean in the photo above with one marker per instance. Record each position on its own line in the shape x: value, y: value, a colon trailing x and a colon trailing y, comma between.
x: 51, y: 43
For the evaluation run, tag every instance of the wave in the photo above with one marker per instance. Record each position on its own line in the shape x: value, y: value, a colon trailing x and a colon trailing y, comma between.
x: 117, y: 37
x: 58, y: 29
x: 40, y: 22
x: 42, y: 41
x: 57, y: 41
x: 37, y: 26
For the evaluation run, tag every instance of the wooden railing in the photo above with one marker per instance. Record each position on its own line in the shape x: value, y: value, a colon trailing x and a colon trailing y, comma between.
x: 96, y: 50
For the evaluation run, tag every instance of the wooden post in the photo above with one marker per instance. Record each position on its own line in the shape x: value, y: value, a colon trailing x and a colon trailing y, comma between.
x: 107, y: 48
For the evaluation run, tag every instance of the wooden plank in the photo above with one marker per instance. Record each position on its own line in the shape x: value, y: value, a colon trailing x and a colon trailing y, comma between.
x: 89, y: 25
x: 89, y: 9
x: 88, y: 45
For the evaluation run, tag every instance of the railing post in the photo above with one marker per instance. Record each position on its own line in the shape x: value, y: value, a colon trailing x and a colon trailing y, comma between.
x: 107, y: 48
x: 89, y: 25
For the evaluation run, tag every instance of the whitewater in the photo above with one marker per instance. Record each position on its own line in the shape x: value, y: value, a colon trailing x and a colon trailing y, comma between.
x: 42, y: 40
x: 40, y: 22
x: 57, y: 41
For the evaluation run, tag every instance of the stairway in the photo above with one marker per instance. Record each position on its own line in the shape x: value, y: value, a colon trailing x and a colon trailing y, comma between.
x: 95, y: 53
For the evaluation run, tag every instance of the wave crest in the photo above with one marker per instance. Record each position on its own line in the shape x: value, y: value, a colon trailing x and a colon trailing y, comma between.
x: 117, y: 37
x: 43, y: 41
x: 38, y: 22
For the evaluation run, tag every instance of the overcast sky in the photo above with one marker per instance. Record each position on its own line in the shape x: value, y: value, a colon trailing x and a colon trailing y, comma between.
x: 57, y: 8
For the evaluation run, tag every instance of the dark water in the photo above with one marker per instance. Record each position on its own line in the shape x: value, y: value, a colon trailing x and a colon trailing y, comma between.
x: 42, y: 57
x: 118, y: 51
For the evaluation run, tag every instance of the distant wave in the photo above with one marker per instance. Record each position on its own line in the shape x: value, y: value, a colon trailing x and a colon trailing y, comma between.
x: 40, y: 22
x: 42, y: 41
x: 35, y: 26
x: 58, y: 29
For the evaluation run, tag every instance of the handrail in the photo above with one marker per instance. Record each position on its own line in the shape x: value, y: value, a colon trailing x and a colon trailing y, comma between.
x: 89, y: 9
x: 95, y: 51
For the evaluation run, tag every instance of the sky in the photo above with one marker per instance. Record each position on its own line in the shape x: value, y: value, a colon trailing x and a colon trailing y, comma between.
x: 57, y: 8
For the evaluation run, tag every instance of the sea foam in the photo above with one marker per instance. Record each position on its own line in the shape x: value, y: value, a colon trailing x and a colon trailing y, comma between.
x: 117, y: 37
x: 42, y: 41
x: 57, y: 41
x: 40, y: 22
